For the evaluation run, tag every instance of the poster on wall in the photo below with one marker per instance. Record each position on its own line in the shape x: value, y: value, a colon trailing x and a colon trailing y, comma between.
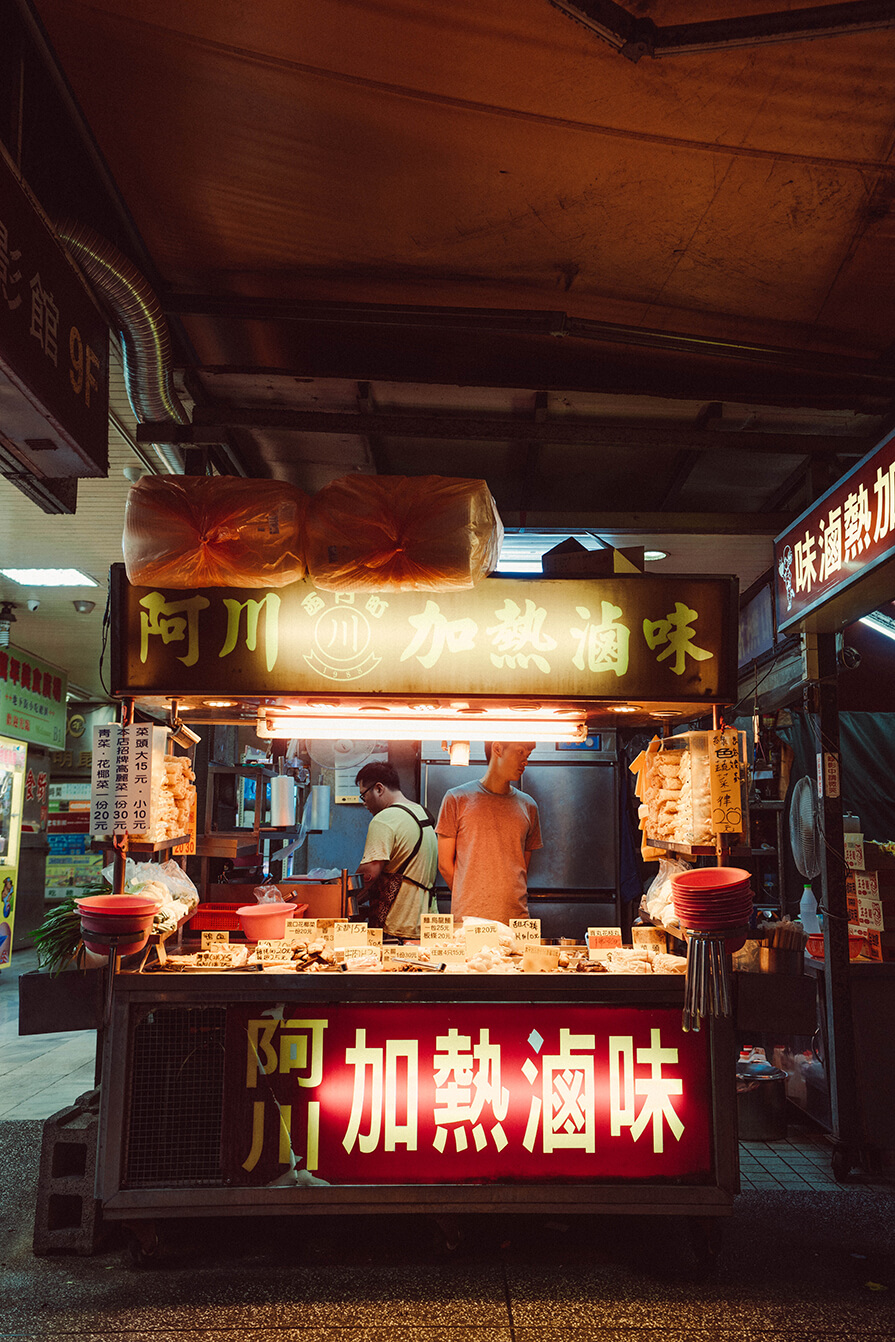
x: 13, y: 757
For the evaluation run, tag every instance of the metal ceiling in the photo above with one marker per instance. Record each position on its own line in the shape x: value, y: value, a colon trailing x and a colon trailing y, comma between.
x: 653, y: 300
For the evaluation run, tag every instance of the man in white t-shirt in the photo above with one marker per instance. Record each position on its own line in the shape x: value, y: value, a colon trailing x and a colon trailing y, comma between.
x: 487, y: 832
x: 398, y: 827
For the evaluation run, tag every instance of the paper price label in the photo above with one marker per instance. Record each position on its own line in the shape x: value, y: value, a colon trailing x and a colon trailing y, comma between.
x: 600, y: 940
x: 349, y: 934
x: 299, y: 931
x: 436, y: 927
x: 325, y: 930
x: 446, y: 952
x: 540, y: 959
x: 866, y: 885
x: 214, y: 938
x: 527, y: 930
x: 214, y: 959
x: 854, y: 851
x: 869, y: 914
x: 480, y: 936
x: 407, y: 955
x: 604, y: 938
x: 362, y: 953
x: 374, y: 936
x: 268, y: 951
x: 648, y: 936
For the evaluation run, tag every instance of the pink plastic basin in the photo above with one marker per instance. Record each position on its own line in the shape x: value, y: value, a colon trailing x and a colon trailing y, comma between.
x: 264, y: 922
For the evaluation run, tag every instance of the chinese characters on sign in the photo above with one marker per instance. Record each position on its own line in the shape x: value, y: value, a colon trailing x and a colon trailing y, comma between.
x: 842, y: 536
x: 32, y: 699
x: 425, y: 1094
x: 725, y: 782
x: 53, y: 339
x: 627, y: 637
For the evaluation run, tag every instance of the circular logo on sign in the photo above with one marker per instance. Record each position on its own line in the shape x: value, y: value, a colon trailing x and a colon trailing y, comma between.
x: 77, y: 724
x: 342, y: 639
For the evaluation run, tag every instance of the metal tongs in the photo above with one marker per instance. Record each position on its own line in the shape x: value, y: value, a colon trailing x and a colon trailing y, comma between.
x: 707, y: 985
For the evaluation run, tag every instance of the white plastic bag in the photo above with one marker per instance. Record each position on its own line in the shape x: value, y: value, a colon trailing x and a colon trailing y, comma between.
x: 658, y: 902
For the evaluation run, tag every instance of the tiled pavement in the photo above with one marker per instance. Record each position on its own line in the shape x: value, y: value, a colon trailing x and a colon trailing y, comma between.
x: 802, y: 1259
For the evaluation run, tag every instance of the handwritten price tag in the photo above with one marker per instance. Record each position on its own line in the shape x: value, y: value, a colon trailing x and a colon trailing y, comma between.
x: 527, y: 930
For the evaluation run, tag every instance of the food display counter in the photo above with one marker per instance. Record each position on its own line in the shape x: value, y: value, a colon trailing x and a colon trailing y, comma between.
x: 271, y: 1092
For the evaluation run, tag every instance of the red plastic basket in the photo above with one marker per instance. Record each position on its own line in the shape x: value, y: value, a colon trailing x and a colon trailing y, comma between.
x: 224, y: 918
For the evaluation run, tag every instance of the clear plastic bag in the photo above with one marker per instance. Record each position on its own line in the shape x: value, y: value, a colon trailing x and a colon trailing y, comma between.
x: 658, y: 902
x: 213, y: 531
x: 397, y: 533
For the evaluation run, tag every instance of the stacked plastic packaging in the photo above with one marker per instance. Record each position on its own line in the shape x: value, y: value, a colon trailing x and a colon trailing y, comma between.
x: 361, y: 533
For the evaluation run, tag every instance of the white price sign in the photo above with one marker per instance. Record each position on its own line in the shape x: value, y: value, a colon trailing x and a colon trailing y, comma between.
x: 214, y: 938
x: 527, y: 930
x: 480, y: 935
x: 299, y: 931
x: 349, y: 934
x: 436, y: 927
x: 446, y: 952
x: 266, y: 952
x: 362, y: 953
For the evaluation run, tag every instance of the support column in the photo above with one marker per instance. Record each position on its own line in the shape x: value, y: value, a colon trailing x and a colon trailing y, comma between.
x: 840, y: 1061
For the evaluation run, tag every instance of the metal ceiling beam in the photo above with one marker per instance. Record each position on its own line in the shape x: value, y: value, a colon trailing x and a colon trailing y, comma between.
x: 635, y: 37
x: 652, y: 524
x: 209, y: 423
x: 878, y: 373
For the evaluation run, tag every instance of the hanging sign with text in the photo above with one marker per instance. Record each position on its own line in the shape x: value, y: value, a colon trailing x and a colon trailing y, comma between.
x: 656, y: 639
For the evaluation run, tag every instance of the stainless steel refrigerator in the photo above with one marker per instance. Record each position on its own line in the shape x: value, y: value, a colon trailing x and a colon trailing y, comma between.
x: 573, y: 880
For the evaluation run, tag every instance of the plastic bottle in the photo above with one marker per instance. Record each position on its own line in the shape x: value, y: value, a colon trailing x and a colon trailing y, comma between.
x: 808, y: 911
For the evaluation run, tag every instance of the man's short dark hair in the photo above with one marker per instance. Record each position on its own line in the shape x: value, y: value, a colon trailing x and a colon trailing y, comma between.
x: 378, y: 771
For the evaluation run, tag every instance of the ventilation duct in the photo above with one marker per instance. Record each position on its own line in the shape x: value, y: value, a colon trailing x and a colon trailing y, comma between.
x: 144, y: 331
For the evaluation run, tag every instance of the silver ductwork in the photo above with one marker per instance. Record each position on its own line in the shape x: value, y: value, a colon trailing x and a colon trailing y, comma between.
x: 144, y: 330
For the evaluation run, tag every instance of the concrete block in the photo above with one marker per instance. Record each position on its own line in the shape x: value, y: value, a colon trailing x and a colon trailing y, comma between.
x: 67, y: 1217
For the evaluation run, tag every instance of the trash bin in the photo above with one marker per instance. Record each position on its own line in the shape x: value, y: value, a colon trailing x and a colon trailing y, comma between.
x: 761, y: 1102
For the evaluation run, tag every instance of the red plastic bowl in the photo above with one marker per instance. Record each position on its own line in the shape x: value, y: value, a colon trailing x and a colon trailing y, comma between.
x: 713, y: 878
x: 105, y: 919
x: 815, y: 946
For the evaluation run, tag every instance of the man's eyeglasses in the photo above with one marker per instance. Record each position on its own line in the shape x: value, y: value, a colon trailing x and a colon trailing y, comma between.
x: 364, y: 791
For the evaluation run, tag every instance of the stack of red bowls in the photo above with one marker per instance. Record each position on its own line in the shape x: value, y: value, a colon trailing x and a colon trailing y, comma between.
x: 713, y: 899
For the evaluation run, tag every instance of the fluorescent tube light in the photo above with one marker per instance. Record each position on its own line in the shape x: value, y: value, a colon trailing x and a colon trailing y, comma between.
x: 49, y: 577
x: 384, y: 727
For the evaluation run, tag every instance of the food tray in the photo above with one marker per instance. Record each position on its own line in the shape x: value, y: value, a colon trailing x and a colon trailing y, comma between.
x: 224, y: 918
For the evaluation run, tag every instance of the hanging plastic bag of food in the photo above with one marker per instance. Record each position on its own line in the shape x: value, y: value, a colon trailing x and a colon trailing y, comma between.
x: 213, y: 531
x: 396, y: 533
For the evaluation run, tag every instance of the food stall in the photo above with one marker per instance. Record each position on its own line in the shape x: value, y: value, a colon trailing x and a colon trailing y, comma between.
x: 834, y: 565
x: 234, y: 1084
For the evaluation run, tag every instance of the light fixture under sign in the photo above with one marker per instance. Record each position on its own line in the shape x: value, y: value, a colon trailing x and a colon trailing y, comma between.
x: 385, y: 727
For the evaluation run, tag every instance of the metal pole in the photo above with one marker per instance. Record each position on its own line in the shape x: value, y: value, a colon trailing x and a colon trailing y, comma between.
x: 845, y: 1110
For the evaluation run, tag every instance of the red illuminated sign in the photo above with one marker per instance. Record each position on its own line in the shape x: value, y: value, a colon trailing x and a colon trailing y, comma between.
x: 439, y: 1093
x: 844, y: 538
